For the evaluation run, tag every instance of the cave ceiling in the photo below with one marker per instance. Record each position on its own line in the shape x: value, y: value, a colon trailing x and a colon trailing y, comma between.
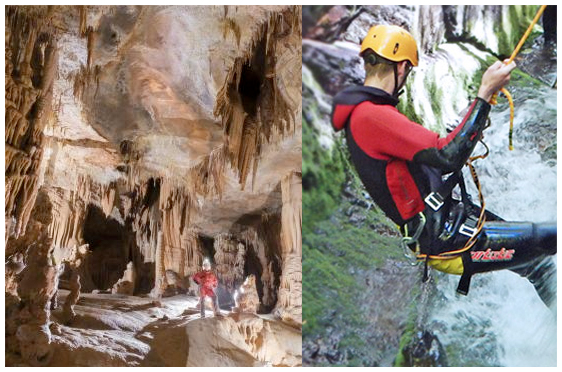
x: 148, y: 78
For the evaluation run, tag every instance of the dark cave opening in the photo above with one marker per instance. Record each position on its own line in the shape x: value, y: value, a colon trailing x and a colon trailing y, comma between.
x: 252, y: 79
x: 109, y: 252
x: 208, y: 247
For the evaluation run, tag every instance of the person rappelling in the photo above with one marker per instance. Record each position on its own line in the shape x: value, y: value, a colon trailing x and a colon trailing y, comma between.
x: 415, y: 176
x: 208, y: 282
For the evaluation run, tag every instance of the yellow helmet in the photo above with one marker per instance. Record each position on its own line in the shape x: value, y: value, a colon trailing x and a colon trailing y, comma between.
x: 391, y: 42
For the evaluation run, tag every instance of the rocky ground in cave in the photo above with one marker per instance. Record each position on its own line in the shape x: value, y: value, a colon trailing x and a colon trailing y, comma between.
x: 124, y: 330
x: 141, y: 140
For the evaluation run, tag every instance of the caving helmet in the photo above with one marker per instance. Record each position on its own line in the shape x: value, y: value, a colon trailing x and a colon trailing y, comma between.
x: 392, y: 43
x: 206, y: 264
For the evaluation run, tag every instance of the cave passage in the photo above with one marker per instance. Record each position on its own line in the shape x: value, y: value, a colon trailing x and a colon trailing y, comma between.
x: 107, y: 240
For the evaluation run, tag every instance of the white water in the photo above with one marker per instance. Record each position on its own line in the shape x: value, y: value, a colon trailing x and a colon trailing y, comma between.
x: 503, y: 321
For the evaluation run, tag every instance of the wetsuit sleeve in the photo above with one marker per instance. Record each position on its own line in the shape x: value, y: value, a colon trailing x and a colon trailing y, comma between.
x: 390, y: 134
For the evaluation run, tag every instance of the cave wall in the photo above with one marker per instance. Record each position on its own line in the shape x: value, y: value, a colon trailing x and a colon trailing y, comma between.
x: 30, y: 61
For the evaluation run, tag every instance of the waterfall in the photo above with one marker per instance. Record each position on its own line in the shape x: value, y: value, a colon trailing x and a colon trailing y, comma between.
x: 502, y: 321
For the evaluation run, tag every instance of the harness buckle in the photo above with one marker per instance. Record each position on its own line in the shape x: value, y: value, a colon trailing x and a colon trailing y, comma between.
x: 468, y: 228
x: 434, y: 201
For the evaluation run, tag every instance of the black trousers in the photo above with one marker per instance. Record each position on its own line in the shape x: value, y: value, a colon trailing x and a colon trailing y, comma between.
x: 215, y: 304
x: 522, y: 247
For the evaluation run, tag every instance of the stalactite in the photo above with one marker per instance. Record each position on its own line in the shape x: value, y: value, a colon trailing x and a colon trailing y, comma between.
x: 83, y: 16
x: 208, y: 177
x: 108, y: 198
x: 69, y: 214
x: 271, y: 116
x: 145, y: 218
x: 183, y: 250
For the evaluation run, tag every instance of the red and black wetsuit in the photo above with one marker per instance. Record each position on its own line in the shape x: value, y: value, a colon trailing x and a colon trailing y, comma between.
x: 389, y: 151
x: 401, y: 163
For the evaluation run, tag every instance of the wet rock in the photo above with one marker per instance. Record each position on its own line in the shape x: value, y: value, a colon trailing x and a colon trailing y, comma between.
x: 334, y: 66
x: 330, y: 26
x: 424, y: 350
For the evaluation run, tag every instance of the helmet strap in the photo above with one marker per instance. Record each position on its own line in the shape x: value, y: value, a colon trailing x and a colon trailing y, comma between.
x: 396, y: 87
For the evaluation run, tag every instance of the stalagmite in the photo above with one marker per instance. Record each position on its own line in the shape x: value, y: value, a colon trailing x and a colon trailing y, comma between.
x: 72, y: 298
x: 247, y: 300
x: 36, y: 290
x: 255, y: 241
x: 174, y: 283
x: 55, y: 300
x: 126, y: 285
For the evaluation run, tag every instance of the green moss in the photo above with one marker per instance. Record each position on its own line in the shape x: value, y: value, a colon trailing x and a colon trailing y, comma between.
x: 406, y: 104
x: 331, y: 251
x: 512, y: 27
x: 334, y: 248
x: 409, y: 331
x: 436, y: 95
x: 323, y: 177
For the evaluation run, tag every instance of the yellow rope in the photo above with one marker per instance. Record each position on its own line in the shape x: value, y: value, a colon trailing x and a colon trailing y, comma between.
x: 494, y: 99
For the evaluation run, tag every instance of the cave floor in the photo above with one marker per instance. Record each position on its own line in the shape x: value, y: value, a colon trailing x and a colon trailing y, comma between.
x: 120, y: 330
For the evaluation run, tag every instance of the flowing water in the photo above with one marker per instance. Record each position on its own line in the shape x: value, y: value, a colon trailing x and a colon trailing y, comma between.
x: 502, y: 321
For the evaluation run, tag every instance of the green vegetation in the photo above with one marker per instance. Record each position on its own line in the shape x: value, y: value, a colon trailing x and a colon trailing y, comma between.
x: 335, y: 247
x: 322, y: 180
x: 512, y: 26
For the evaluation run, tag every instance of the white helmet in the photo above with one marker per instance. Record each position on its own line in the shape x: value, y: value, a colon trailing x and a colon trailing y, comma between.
x: 206, y: 264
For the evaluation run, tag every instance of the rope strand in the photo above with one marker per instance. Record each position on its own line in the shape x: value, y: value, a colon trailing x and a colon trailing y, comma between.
x: 494, y: 99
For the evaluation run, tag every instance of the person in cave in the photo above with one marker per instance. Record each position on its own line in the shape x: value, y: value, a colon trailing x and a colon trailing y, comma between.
x: 402, y: 165
x: 207, y: 282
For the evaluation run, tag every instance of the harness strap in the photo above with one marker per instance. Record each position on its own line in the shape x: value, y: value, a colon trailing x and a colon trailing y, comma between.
x: 464, y: 282
x: 436, y: 199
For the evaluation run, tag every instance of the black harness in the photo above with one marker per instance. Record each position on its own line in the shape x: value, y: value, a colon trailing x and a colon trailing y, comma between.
x: 445, y: 225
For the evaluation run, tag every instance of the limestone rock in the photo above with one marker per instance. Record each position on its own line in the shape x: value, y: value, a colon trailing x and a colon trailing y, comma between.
x: 126, y: 285
x: 247, y: 300
x: 138, y: 139
x: 72, y: 298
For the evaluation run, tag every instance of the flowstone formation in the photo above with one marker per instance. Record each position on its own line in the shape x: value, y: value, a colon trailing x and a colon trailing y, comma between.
x: 141, y: 140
